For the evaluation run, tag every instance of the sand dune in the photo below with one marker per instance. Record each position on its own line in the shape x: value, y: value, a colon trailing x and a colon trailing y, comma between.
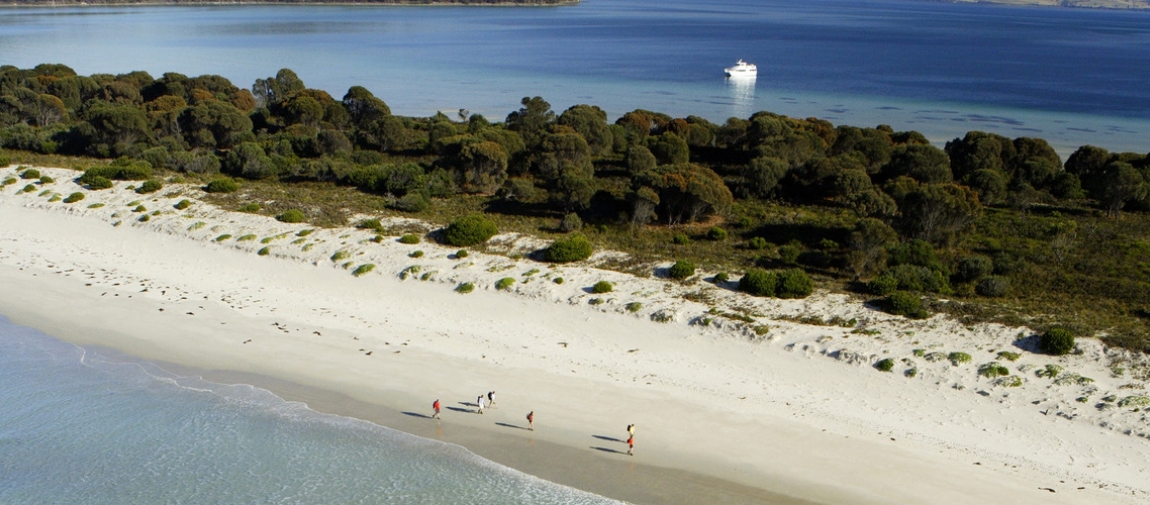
x: 791, y: 407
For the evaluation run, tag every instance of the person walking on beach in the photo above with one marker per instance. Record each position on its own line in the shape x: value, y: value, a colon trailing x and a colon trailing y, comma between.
x: 630, y: 430
x: 479, y: 401
x: 531, y: 420
x: 436, y: 407
x: 491, y: 399
x: 631, y: 445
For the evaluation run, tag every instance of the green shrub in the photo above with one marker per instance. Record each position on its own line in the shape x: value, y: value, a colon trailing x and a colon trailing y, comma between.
x: 28, y: 189
x: 789, y: 253
x: 250, y: 208
x: 96, y: 205
x: 995, y: 286
x: 264, y: 251
x: 759, y: 282
x: 958, y: 358
x: 362, y: 269
x: 97, y: 183
x: 882, y: 285
x: 223, y: 237
x: 566, y: 250
x: 460, y: 254
x: 74, y: 197
x: 5, y: 161
x: 245, y: 238
x: 974, y: 268
x: 470, y: 230
x: 504, y: 283
x: 919, y: 278
x: 794, y: 283
x: 140, y: 208
x: 55, y: 198
x: 570, y: 222
x: 304, y: 233
x: 183, y: 204
x: 558, y: 280
x: 911, y: 373
x: 31, y: 173
x: 992, y: 370
x: 1134, y: 401
x: 682, y: 269
x: 415, y: 254
x: 721, y: 277
x: 602, y: 287
x: 371, y: 224
x: 681, y: 239
x: 716, y: 233
x: 1049, y: 371
x: 122, y: 169
x: 1009, y: 356
x: 1056, y: 341
x: 885, y: 365
x: 757, y: 243
x: 44, y: 179
x: 149, y: 186
x: 465, y: 288
x: 340, y: 255
x: 8, y: 181
x: 291, y: 216
x: 596, y: 301
x: 634, y: 306
x: 902, y: 303
x: 222, y: 185
x: 409, y: 238
x: 1011, y: 381
x: 145, y: 218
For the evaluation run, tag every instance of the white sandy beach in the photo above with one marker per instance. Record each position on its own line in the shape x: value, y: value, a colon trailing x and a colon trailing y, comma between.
x: 800, y: 411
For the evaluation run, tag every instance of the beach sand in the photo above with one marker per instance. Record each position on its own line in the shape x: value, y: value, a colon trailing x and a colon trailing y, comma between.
x: 723, y: 414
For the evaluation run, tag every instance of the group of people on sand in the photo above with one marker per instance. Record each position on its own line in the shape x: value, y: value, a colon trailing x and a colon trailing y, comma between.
x: 490, y: 402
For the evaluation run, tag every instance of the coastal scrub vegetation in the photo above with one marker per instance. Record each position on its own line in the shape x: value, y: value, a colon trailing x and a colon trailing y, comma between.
x: 986, y: 228
x: 470, y: 230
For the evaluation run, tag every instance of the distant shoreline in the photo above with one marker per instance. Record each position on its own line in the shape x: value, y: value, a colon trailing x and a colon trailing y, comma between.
x: 112, y: 3
x: 1073, y: 4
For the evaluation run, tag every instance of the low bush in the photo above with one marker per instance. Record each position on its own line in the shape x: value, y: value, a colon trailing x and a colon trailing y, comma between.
x: 183, y: 204
x: 570, y: 222
x: 465, y: 288
x: 74, y: 197
x: 1056, y: 341
x: 602, y: 287
x: 558, y: 280
x: 31, y: 173
x: 264, y: 251
x: 460, y: 254
x: 470, y: 230
x: 993, y: 370
x: 8, y: 181
x: 902, y: 303
x: 757, y: 243
x: 1049, y: 371
x: 504, y: 283
x: 596, y: 301
x: 250, y: 208
x: 96, y: 205
x: 958, y: 358
x: 245, y: 238
x: 1011, y: 381
x: 1134, y: 401
x: 995, y: 286
x: 304, y: 233
x: 222, y: 185
x: 716, y: 233
x: 291, y: 216
x: 415, y: 254
x: 363, y: 269
x: 789, y: 253
x: 28, y: 188
x: 223, y: 237
x: 974, y: 268
x: 885, y: 365
x: 55, y: 198
x: 681, y: 239
x: 340, y: 255
x: 759, y: 282
x: 409, y: 238
x: 721, y: 277
x: 44, y: 179
x: 123, y: 169
x: 566, y: 250
x: 682, y: 269
x: 140, y: 208
x: 145, y: 218
x: 794, y: 283
x: 634, y: 306
x: 882, y: 285
x: 97, y: 183
x: 149, y: 186
x: 371, y: 224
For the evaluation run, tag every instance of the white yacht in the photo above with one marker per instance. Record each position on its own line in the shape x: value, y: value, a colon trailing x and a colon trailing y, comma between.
x: 742, y: 69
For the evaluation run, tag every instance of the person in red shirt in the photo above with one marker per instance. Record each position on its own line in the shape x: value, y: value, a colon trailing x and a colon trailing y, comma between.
x: 436, y: 407
x: 531, y: 420
x: 631, y: 445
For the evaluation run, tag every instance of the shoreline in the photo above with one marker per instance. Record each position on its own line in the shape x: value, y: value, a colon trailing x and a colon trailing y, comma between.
x: 799, y: 412
x: 386, y: 3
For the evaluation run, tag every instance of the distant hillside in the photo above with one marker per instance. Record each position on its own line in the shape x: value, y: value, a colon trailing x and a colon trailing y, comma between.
x: 1089, y: 4
x: 66, y: 3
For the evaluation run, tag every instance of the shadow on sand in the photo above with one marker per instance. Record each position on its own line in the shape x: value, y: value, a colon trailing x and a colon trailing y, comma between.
x: 457, y: 409
x: 609, y: 439
x: 417, y: 414
x: 606, y: 449
x: 505, y: 425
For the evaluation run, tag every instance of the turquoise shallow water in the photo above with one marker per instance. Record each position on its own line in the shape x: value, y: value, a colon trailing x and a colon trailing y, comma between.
x: 1073, y: 76
x: 77, y: 427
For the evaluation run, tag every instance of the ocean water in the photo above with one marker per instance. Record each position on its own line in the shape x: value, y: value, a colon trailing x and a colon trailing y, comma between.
x: 77, y: 427
x: 1072, y: 76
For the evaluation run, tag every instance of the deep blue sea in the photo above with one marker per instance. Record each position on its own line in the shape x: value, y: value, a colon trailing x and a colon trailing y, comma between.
x: 1072, y: 76
x: 77, y: 427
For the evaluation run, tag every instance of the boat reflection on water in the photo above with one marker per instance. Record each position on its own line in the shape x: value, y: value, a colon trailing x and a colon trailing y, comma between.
x: 742, y: 92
